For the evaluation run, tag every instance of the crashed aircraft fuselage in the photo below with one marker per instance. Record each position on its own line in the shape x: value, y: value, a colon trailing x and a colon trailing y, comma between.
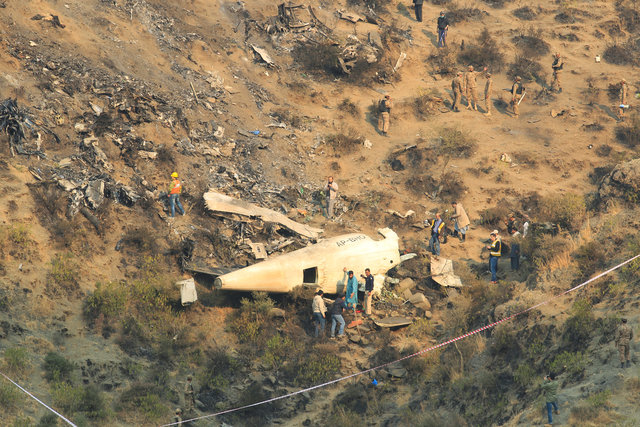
x: 318, y: 266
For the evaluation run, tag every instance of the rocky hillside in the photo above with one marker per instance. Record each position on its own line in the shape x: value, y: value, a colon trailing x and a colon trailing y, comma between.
x: 103, y: 99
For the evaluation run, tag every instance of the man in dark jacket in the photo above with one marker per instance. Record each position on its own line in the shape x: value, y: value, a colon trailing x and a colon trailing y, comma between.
x: 417, y: 6
x: 368, y: 290
x: 436, y: 226
x: 443, y: 27
x: 336, y: 316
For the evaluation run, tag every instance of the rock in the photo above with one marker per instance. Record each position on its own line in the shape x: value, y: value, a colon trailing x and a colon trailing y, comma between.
x: 405, y: 284
x: 406, y: 294
x: 426, y: 305
x: 374, y: 39
x: 428, y: 314
x: 95, y: 193
x: 419, y: 298
x: 397, y: 371
x: 355, y: 338
x: 277, y: 312
x: 623, y: 181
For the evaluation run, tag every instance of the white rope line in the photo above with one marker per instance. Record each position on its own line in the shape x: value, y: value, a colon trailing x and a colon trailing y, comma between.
x: 38, y: 400
x: 428, y: 349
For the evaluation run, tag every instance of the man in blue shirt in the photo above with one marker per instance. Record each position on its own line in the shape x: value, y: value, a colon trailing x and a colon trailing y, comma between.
x: 436, y: 225
x: 352, y: 290
x: 336, y: 316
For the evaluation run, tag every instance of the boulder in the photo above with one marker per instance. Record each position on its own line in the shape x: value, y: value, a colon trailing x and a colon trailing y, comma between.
x: 405, y: 284
x: 420, y: 299
x: 623, y: 181
x: 407, y: 294
x: 277, y: 312
x: 428, y: 314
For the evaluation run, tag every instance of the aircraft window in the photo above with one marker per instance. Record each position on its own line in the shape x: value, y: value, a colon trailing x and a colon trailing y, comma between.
x: 310, y: 275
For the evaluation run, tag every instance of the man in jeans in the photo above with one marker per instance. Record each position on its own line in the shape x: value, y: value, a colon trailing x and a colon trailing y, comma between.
x: 495, y: 253
x: 174, y: 195
x: 436, y: 225
x: 336, y: 316
x: 550, y: 391
x: 319, y: 310
x: 443, y: 27
x: 368, y: 291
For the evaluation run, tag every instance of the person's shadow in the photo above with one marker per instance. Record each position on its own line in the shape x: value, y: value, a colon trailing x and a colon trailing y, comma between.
x: 403, y: 10
x: 608, y: 111
x: 433, y: 38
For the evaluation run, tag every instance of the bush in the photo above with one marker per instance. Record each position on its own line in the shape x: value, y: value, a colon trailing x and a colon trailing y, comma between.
x: 452, y: 186
x: 288, y: 116
x: 426, y: 103
x: 497, y: 3
x: 86, y: 400
x: 579, y: 328
x: 485, y: 52
x: 57, y: 368
x: 623, y: 53
x: 568, y: 210
x: 573, y: 364
x: 530, y: 43
x: 62, y: 276
x: 9, y: 396
x: 345, y: 142
x: 459, y: 14
x: 525, y: 13
x: 591, y: 258
x: 455, y: 142
x: 219, y: 370
x: 629, y: 133
x: 16, y: 361
x: 524, y: 375
x: 494, y: 216
x: 542, y: 248
x: 313, y: 369
x: 145, y: 399
x: 108, y: 300
x: 585, y: 412
x: 349, y: 107
x: 526, y: 68
x: 443, y: 61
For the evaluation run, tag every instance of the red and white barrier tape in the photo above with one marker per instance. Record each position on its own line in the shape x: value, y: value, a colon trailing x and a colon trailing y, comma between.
x: 426, y: 350
x: 38, y: 400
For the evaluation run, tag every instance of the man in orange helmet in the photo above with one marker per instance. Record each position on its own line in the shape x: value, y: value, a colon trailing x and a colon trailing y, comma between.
x: 174, y: 195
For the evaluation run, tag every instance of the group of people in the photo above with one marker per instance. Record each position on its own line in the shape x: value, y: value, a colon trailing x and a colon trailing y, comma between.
x: 347, y: 301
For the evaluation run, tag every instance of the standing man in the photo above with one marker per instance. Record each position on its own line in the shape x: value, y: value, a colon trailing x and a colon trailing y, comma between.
x: 417, y: 6
x: 495, y: 253
x: 174, y: 195
x: 488, y: 91
x: 319, y: 310
x: 512, y: 225
x: 456, y: 88
x: 514, y: 255
x: 189, y: 398
x: 550, y: 391
x: 352, y: 290
x: 471, y: 88
x: 443, y: 27
x: 557, y: 66
x: 623, y: 99
x: 461, y: 221
x: 336, y: 316
x: 435, y: 225
x: 624, y: 334
x: 331, y: 193
x: 517, y: 93
x: 368, y: 290
x: 384, y: 110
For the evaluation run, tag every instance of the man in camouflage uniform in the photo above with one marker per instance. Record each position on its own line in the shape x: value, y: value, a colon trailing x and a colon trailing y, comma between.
x: 189, y: 397
x: 557, y: 65
x: 516, y: 95
x: 488, y: 91
x: 456, y: 88
x: 623, y: 98
x: 177, y: 418
x: 624, y: 334
x: 471, y: 88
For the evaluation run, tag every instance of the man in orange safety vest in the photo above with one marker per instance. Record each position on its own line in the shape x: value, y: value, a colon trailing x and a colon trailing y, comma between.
x: 174, y: 195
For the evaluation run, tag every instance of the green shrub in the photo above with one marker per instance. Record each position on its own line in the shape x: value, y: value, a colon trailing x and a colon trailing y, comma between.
x: 108, y: 299
x: 527, y: 68
x: 220, y: 369
x: 9, y: 396
x: 456, y: 143
x: 57, y: 368
x: 579, y: 328
x: 314, y: 369
x: 67, y: 396
x: 573, y: 364
x: 595, y: 403
x: 63, y: 274
x: 567, y: 210
x: 16, y: 361
x: 524, y: 374
x: 145, y: 399
x: 19, y: 235
x: 346, y: 141
x: 279, y: 349
x: 629, y: 133
x: 591, y: 258
x: 484, y: 53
